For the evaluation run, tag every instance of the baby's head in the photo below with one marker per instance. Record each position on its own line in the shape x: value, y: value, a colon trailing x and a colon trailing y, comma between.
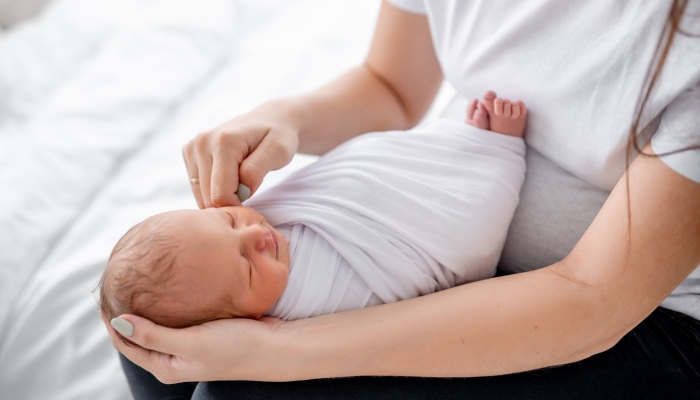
x: 187, y: 267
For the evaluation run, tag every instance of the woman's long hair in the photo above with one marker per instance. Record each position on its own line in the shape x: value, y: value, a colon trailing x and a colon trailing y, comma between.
x: 671, y: 28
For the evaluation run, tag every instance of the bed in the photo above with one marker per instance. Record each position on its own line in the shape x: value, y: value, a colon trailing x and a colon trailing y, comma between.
x: 96, y: 101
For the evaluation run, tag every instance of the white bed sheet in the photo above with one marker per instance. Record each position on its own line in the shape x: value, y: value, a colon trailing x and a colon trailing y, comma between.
x: 79, y: 132
x: 52, y: 342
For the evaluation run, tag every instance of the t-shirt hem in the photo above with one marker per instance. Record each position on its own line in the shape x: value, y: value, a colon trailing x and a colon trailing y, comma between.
x: 412, y: 6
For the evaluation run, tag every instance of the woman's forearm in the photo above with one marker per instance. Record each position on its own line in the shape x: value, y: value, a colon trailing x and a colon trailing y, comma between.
x: 356, y: 103
x: 498, y: 326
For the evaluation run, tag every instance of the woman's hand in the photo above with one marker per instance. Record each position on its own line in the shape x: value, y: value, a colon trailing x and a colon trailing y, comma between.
x: 242, y: 150
x: 217, y: 350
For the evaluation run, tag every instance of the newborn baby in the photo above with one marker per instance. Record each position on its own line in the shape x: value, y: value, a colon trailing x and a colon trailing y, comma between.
x: 383, y: 217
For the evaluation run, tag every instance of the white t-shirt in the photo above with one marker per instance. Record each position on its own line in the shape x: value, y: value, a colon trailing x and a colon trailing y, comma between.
x: 390, y: 216
x: 579, y: 67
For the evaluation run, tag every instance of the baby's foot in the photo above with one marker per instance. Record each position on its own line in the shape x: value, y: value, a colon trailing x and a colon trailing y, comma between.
x: 498, y: 115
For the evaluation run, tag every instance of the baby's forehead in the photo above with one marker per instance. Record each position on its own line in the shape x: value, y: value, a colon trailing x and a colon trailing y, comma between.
x: 189, y: 226
x: 192, y: 231
x: 173, y: 219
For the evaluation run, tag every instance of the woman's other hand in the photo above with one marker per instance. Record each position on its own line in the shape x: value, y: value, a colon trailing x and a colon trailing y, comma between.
x: 188, y: 355
x: 242, y: 150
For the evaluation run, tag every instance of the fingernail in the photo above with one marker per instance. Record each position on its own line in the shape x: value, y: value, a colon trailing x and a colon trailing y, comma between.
x: 243, y: 192
x: 122, y: 326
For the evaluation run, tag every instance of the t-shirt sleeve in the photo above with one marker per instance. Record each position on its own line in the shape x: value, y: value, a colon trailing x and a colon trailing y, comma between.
x: 412, y: 6
x: 680, y: 129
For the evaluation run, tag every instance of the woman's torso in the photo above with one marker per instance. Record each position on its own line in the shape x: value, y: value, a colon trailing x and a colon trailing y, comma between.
x: 580, y: 67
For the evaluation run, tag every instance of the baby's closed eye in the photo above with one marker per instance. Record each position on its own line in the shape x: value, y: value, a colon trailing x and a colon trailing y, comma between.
x: 247, y: 265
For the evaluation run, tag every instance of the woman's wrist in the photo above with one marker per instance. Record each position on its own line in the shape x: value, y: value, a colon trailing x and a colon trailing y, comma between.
x: 292, y: 112
x: 295, y: 350
x: 298, y: 350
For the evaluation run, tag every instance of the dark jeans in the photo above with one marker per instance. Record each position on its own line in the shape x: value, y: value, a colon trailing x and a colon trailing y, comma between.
x: 659, y: 359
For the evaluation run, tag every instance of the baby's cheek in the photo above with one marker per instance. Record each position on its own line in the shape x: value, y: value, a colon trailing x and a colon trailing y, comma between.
x: 266, y: 291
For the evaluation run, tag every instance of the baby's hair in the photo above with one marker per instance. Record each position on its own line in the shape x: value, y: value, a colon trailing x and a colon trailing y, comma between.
x: 140, y: 261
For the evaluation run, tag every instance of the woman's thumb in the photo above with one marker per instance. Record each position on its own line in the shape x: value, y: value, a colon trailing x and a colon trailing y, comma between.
x: 270, y: 154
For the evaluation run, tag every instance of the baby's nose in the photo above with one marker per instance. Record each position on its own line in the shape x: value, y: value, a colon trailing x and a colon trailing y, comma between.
x: 254, y: 236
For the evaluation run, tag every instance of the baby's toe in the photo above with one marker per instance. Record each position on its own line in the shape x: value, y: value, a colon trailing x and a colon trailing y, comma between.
x: 498, y: 106
x: 523, y: 109
x: 489, y: 97
x: 516, y: 110
x: 471, y: 107
x: 481, y: 117
x: 507, y: 110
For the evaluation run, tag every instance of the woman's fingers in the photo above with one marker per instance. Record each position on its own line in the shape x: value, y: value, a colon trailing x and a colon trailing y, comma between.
x: 204, y: 159
x: 224, y: 178
x: 274, y: 152
x: 243, y: 151
x: 192, y: 172
x: 216, y: 350
x: 229, y: 151
x: 165, y: 367
x: 166, y: 352
x: 151, y: 336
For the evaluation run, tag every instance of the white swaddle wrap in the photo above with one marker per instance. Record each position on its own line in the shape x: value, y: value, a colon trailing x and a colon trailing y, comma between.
x: 395, y: 215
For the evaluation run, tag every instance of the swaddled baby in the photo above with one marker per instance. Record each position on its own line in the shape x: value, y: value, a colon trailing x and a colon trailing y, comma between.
x: 383, y: 217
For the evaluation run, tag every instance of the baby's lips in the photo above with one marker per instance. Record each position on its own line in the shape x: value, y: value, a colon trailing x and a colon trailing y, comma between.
x: 243, y: 192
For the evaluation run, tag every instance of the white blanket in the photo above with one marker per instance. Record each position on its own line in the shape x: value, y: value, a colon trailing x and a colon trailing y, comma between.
x: 39, y: 56
x: 77, y: 137
x: 396, y: 215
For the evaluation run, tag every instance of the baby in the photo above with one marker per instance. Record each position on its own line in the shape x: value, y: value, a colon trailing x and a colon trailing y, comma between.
x: 381, y: 218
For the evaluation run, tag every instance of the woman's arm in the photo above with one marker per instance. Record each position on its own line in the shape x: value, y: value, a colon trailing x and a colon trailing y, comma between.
x: 392, y: 89
x: 563, y: 313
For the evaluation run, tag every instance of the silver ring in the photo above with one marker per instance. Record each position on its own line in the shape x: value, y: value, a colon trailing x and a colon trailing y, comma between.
x: 194, y: 181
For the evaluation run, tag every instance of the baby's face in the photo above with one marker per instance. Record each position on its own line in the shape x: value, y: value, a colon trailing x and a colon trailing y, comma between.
x: 231, y: 253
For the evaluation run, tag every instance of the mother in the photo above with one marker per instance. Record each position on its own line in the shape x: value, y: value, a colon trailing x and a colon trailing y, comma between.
x: 594, y: 265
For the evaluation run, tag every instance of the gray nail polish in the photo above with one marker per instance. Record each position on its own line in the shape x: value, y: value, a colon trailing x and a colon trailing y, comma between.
x: 122, y: 326
x: 243, y: 192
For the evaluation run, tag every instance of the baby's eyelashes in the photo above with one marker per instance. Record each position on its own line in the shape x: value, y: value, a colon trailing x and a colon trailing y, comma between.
x: 246, y: 262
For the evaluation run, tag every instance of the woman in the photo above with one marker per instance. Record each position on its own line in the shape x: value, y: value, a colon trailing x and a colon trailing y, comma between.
x: 595, y: 264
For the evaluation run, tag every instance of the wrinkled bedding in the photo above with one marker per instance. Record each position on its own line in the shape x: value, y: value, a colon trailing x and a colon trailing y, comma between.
x: 96, y: 101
